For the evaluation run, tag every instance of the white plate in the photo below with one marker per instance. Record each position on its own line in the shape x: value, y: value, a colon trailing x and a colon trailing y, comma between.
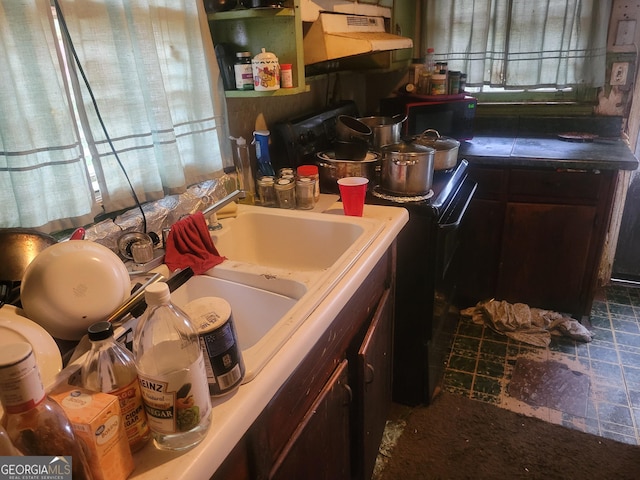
x: 71, y: 285
x: 15, y: 327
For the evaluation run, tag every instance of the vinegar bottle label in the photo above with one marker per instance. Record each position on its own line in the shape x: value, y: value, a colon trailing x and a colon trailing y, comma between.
x: 135, y: 417
x: 177, y: 402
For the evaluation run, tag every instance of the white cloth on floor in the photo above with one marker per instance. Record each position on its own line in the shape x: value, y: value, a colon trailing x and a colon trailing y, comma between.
x: 525, y: 324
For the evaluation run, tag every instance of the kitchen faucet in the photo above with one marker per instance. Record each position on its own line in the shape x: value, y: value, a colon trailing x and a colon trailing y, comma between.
x: 239, y: 194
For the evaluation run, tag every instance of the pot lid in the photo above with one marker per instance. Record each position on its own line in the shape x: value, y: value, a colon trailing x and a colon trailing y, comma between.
x: 408, y: 148
x: 432, y: 138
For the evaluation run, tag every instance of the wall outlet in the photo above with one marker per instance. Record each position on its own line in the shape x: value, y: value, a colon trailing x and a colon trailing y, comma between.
x: 619, y: 71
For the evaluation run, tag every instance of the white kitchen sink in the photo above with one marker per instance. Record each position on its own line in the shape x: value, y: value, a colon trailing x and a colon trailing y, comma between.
x: 280, y: 265
x: 255, y: 312
x: 291, y: 239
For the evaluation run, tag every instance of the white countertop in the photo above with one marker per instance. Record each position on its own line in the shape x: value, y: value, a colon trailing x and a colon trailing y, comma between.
x: 233, y: 414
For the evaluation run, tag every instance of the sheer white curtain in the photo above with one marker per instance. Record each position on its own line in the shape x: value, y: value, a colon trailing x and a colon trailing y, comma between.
x: 521, y: 43
x: 42, y: 168
x: 153, y: 75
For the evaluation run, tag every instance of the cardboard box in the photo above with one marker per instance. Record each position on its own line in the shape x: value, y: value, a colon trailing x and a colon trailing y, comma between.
x: 97, y: 421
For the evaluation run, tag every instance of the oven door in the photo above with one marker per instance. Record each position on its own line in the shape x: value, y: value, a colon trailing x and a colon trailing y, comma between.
x: 448, y: 227
x: 445, y: 316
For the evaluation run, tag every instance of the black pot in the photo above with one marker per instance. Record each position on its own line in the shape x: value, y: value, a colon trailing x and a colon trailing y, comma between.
x: 261, y: 3
x: 219, y: 5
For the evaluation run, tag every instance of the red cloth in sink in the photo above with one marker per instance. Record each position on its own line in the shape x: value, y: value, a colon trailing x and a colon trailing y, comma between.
x: 189, y: 244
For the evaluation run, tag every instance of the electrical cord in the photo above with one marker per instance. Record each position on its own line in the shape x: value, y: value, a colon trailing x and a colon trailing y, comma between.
x: 65, y: 30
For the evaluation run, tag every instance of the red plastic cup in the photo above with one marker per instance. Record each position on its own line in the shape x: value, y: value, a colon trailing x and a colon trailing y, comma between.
x: 352, y: 192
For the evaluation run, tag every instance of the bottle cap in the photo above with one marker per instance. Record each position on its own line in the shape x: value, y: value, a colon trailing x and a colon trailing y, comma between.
x: 307, y: 170
x: 100, y: 331
x: 157, y: 294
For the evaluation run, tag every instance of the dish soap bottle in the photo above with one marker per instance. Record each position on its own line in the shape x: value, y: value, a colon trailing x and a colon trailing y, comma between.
x: 261, y: 141
x: 172, y: 373
x: 245, y: 173
x: 36, y: 425
x: 109, y: 368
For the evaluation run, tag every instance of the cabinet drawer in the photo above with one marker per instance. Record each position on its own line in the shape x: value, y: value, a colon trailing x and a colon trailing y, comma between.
x: 548, y: 185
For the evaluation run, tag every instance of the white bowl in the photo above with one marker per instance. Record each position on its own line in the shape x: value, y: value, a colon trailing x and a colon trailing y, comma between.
x: 70, y: 285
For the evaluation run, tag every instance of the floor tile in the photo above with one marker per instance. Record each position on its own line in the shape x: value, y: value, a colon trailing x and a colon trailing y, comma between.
x: 601, y: 396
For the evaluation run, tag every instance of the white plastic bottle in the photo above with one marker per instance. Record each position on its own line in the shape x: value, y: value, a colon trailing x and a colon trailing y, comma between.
x: 172, y: 373
x: 109, y: 368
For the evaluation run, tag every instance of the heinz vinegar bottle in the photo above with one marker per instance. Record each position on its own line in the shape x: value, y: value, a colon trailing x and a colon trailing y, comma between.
x: 109, y: 368
x: 172, y: 373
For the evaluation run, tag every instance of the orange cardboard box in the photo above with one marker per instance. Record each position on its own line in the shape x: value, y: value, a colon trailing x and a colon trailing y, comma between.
x: 97, y: 421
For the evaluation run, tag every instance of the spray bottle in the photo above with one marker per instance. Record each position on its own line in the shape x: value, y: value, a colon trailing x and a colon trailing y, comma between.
x: 261, y: 141
x: 245, y: 173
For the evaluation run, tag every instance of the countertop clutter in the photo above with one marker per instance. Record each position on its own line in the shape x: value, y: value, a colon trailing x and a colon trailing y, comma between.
x: 233, y: 414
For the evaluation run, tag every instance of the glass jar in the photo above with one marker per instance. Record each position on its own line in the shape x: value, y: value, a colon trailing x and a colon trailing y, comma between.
x: 266, y: 191
x: 439, y: 84
x: 305, y: 199
x: 312, y: 172
x: 243, y: 71
x: 286, y: 193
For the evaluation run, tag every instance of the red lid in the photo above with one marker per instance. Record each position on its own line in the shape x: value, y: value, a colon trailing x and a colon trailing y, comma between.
x: 307, y: 170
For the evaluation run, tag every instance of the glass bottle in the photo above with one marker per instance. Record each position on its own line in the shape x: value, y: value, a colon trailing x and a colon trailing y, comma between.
x: 172, y: 373
x: 36, y: 425
x: 245, y: 172
x: 109, y: 368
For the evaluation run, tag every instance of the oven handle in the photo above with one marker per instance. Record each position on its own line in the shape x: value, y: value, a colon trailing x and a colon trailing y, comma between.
x: 455, y: 224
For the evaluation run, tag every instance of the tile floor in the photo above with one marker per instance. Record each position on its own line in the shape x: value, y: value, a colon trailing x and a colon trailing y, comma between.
x: 482, y: 364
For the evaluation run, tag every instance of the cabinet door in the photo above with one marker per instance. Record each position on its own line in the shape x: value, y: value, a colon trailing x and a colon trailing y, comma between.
x: 374, y: 389
x: 481, y: 234
x: 319, y: 447
x: 545, y: 252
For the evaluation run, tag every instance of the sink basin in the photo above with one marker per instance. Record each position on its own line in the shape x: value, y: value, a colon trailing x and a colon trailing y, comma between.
x: 289, y: 239
x: 280, y: 265
x: 255, y: 312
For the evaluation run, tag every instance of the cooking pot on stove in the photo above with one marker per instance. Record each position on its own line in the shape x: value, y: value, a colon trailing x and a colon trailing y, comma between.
x: 446, y: 148
x: 407, y: 169
x: 18, y: 247
x: 386, y: 130
x: 331, y: 169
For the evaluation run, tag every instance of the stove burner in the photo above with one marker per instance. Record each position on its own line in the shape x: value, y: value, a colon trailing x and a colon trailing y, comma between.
x: 378, y: 192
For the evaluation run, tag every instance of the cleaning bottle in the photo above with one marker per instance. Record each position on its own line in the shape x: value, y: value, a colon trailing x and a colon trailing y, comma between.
x: 245, y: 172
x: 261, y: 141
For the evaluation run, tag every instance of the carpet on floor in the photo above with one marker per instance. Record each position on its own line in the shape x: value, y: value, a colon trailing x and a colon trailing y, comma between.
x: 460, y: 438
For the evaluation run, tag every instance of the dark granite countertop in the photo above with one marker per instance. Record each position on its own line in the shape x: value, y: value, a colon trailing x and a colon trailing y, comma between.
x: 548, y: 152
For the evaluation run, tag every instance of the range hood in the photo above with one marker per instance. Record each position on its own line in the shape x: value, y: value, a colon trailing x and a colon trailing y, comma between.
x: 338, y: 35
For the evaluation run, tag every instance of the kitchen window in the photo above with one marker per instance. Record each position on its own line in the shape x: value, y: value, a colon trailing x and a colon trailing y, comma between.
x: 150, y: 122
x: 522, y: 49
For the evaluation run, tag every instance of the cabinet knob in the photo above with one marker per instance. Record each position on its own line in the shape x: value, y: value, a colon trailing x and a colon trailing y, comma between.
x: 349, y: 394
x: 369, y: 373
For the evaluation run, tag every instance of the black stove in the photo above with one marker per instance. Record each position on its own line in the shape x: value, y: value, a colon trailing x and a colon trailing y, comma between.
x: 426, y: 259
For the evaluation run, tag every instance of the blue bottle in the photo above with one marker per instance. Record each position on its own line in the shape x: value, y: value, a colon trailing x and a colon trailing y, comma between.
x: 261, y: 141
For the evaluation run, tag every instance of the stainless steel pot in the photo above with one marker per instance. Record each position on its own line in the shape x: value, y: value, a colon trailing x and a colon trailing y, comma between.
x: 407, y: 169
x: 446, y: 148
x: 331, y: 169
x: 386, y: 130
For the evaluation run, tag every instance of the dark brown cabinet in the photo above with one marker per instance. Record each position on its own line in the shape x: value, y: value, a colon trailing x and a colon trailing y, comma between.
x: 327, y: 419
x: 536, y: 236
